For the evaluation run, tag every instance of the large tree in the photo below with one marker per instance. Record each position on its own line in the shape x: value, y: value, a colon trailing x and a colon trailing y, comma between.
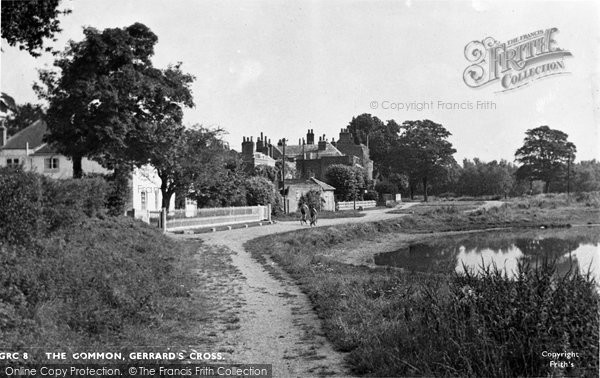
x: 381, y: 139
x: 544, y: 155
x: 424, y: 152
x: 27, y: 23
x: 109, y: 103
x: 187, y: 162
x: 348, y: 181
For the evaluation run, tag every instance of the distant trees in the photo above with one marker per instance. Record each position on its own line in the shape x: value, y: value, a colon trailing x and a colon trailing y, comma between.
x: 22, y: 116
x: 478, y: 178
x: 544, y: 155
x: 586, y: 176
x: 423, y: 152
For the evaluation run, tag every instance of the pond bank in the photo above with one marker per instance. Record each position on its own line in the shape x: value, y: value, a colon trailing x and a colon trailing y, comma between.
x: 398, y: 324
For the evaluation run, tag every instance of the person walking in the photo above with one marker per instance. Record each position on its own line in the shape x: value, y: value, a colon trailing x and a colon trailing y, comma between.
x: 313, y: 215
x: 304, y: 212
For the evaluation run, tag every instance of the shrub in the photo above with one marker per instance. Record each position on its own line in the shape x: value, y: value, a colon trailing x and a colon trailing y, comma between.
x: 590, y: 199
x: 118, y: 192
x: 259, y: 191
x: 371, y: 195
x: 20, y: 205
x: 386, y: 188
x: 67, y: 201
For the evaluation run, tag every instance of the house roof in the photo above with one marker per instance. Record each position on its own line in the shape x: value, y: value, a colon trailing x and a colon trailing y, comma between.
x: 323, y: 185
x: 45, y: 150
x: 32, y: 135
x: 310, y: 181
x: 297, y: 150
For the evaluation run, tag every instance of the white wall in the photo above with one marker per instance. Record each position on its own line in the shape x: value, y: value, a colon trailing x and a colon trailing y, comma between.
x: 146, y: 183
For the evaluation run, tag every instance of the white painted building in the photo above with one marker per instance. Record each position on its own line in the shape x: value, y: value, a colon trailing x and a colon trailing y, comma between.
x: 27, y: 149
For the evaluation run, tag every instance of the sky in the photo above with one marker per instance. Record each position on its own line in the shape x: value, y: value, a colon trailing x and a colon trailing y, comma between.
x: 282, y: 67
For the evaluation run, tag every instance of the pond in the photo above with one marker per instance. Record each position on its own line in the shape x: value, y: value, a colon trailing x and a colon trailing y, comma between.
x: 572, y: 247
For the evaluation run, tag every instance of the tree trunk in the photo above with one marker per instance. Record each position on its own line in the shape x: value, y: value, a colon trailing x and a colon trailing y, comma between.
x: 166, y: 198
x: 77, y: 169
x: 411, y: 188
x: 425, y: 188
x: 547, y: 188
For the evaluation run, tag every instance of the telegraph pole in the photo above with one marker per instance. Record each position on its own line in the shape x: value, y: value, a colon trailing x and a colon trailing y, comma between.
x: 283, y: 176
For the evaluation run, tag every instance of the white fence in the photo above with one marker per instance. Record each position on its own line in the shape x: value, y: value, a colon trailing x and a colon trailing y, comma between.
x: 214, y: 217
x: 349, y: 205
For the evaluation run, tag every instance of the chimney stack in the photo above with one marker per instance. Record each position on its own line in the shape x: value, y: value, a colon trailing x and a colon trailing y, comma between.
x: 4, y: 136
x: 310, y: 137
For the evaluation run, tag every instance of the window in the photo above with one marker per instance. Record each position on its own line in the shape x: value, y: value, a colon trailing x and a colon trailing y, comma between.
x: 144, y: 203
x: 14, y: 162
x: 50, y: 164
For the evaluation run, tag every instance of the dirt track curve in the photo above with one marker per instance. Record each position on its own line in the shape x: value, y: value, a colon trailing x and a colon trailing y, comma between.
x: 275, y: 322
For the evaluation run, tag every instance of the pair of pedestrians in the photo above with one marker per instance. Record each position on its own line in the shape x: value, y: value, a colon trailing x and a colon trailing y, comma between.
x: 311, y: 211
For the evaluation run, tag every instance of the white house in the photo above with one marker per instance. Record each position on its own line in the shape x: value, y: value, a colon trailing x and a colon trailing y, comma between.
x: 27, y: 148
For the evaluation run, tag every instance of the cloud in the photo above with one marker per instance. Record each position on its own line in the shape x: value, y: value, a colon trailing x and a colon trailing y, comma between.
x: 245, y: 73
x: 479, y: 5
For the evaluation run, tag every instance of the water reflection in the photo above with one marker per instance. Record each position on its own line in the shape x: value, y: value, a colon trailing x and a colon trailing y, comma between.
x: 574, y: 248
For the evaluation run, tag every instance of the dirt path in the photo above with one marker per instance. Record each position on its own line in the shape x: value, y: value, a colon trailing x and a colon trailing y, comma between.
x: 277, y: 324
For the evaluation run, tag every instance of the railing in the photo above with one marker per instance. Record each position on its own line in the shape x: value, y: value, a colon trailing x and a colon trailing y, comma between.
x: 214, y: 217
x: 350, y: 205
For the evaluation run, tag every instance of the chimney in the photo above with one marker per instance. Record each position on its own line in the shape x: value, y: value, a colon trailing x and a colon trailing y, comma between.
x: 247, y: 147
x: 345, y: 137
x: 322, y: 143
x: 4, y: 136
x: 259, y: 143
x: 310, y: 137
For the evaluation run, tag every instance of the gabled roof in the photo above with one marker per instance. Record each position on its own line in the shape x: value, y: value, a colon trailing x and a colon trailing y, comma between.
x: 46, y: 150
x: 323, y: 185
x: 297, y: 150
x: 32, y: 134
x: 310, y: 181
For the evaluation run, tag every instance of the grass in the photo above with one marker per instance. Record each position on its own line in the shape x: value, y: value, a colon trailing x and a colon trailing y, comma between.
x: 394, y: 323
x: 101, y: 285
x: 441, y: 207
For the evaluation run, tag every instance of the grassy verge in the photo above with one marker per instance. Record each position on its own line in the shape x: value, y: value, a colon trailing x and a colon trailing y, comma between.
x: 100, y: 285
x: 443, y: 206
x: 405, y: 324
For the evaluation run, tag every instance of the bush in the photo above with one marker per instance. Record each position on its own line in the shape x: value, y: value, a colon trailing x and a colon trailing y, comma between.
x: 259, y: 191
x: 590, y: 199
x: 386, y: 188
x: 20, y: 206
x: 118, y: 193
x: 371, y: 195
x: 67, y: 201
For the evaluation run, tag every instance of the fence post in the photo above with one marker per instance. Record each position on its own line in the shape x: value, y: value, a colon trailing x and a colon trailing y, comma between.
x: 269, y: 212
x: 163, y: 220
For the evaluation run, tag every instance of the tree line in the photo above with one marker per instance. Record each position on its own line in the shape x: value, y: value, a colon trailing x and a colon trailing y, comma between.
x: 109, y: 103
x: 415, y: 157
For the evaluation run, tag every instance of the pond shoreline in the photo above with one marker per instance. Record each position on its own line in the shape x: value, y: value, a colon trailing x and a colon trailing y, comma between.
x: 366, y: 310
